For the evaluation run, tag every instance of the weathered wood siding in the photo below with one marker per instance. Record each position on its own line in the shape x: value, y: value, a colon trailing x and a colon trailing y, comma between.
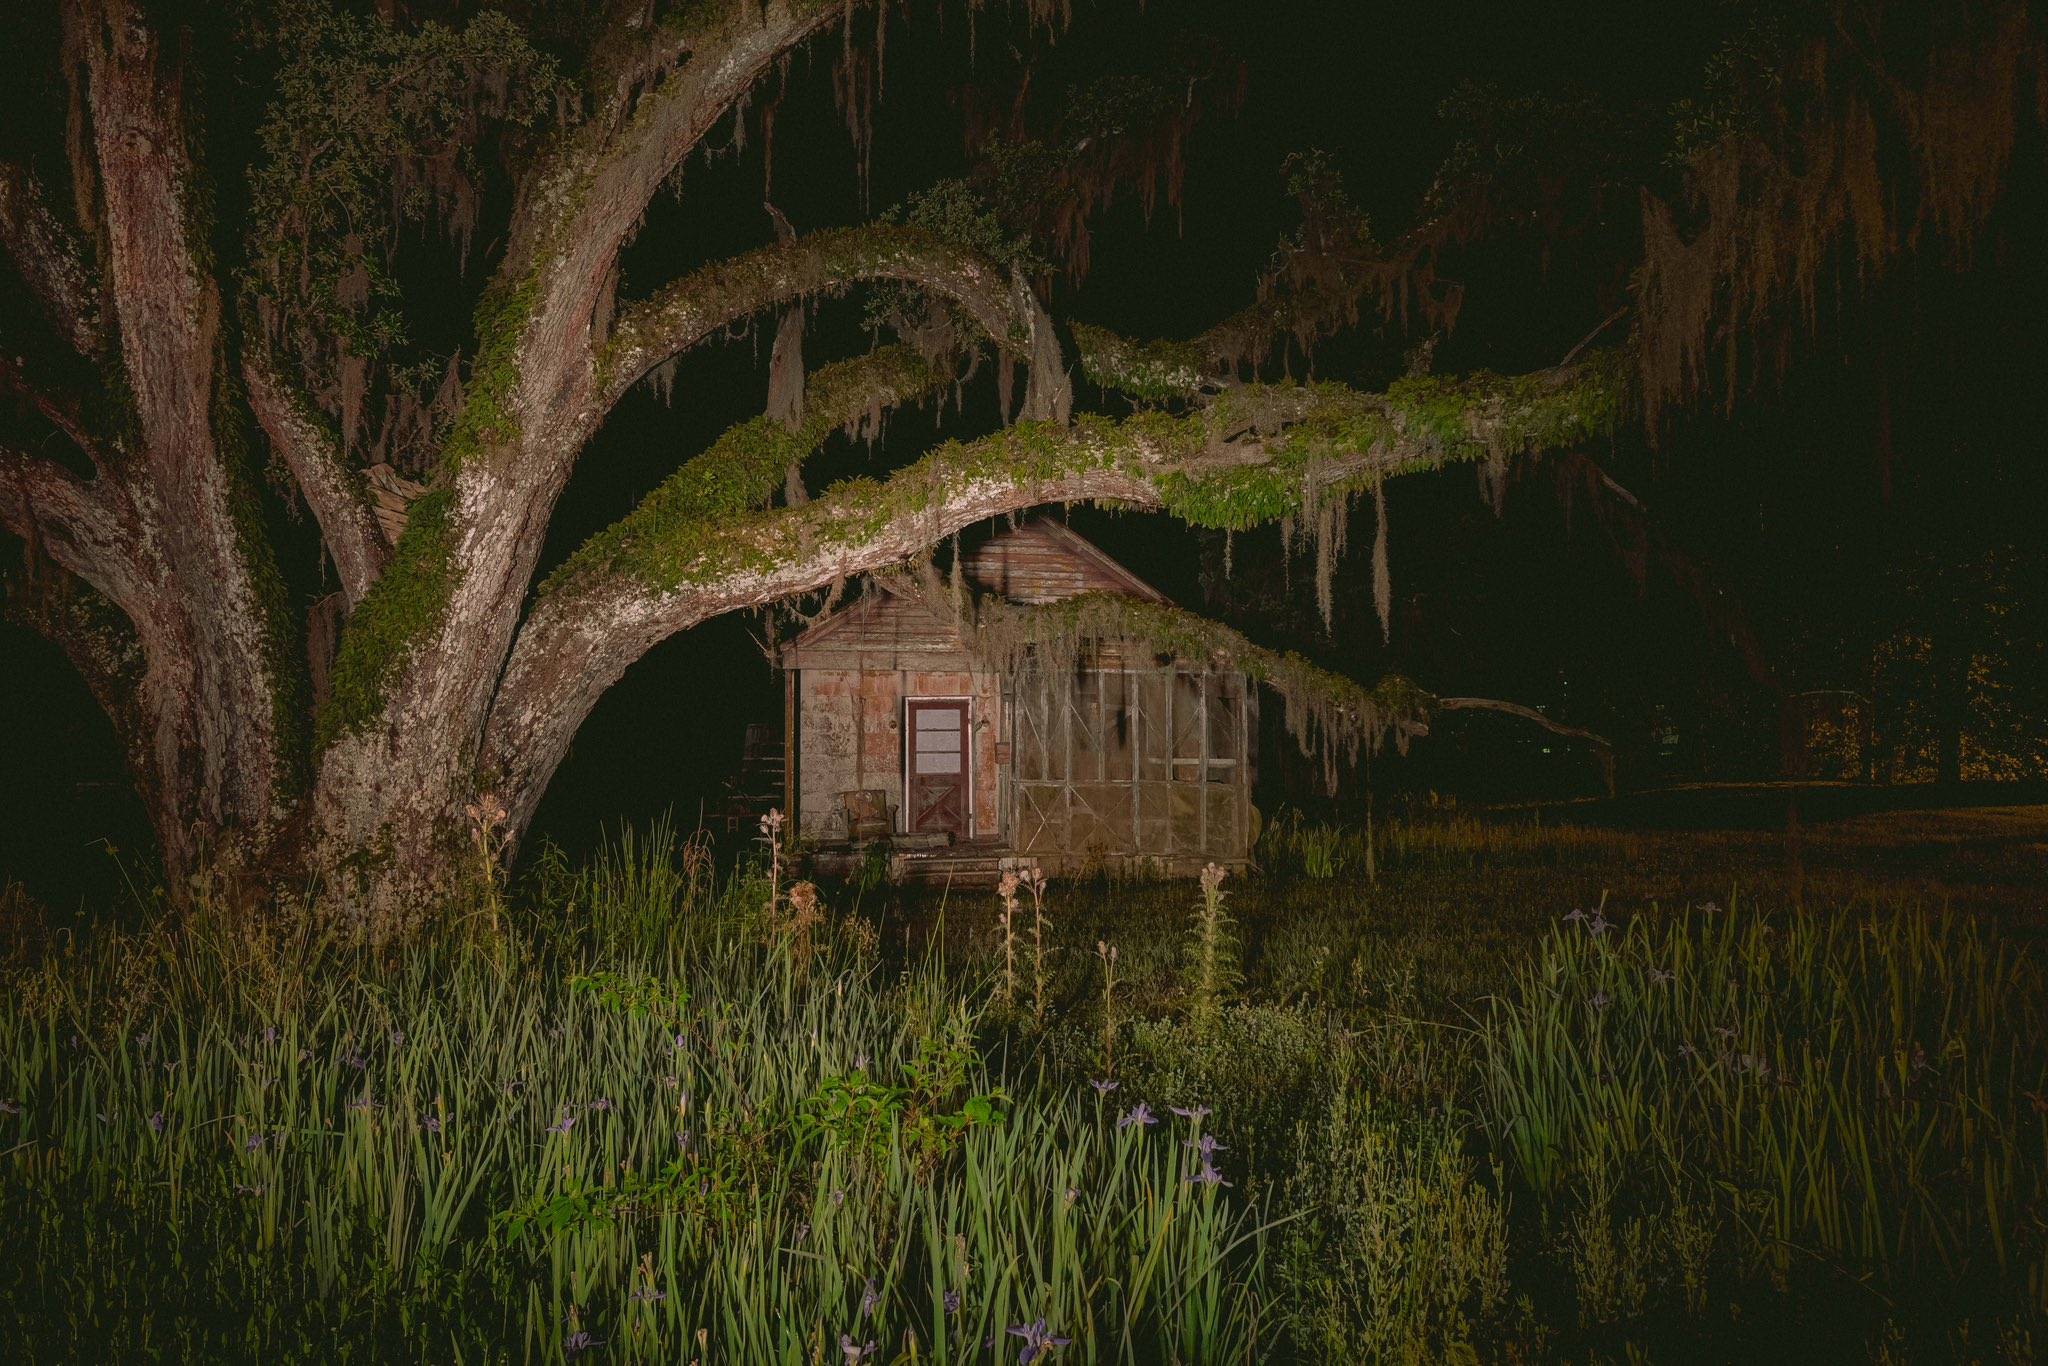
x: 850, y: 735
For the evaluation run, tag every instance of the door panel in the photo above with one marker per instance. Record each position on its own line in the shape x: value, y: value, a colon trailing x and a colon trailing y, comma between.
x: 938, y: 764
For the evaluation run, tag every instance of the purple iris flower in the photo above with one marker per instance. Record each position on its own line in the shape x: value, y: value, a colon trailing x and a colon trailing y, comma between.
x: 1598, y: 925
x: 1209, y: 1175
x: 1660, y: 976
x: 398, y: 1038
x: 564, y: 1124
x: 601, y: 1104
x: 1139, y: 1114
x: 855, y: 1351
x: 1207, y: 1146
x: 1577, y: 914
x: 1103, y: 1085
x: 1195, y: 1113
x: 579, y: 1342
x: 951, y: 1300
x: 156, y: 1122
x: 432, y: 1124
x: 253, y: 1143
x: 270, y: 1033
x: 868, y: 1300
x: 10, y: 1107
x: 1038, y: 1341
x: 647, y: 1294
x: 1599, y: 1001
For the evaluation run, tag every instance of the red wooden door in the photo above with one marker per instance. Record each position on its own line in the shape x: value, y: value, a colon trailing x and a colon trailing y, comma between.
x: 938, y: 767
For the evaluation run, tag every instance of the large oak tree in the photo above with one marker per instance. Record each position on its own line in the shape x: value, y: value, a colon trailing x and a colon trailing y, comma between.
x: 457, y: 676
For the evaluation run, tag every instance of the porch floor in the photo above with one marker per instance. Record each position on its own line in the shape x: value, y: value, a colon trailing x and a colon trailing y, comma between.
x: 964, y: 863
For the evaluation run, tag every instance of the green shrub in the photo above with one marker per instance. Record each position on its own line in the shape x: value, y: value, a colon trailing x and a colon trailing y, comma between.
x: 1402, y: 1255
x: 1258, y: 1067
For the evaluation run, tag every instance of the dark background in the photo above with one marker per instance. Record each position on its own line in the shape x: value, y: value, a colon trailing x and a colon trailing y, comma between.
x: 1785, y: 504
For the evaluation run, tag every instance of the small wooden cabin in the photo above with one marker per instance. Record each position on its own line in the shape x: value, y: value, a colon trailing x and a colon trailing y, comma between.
x: 1113, y: 763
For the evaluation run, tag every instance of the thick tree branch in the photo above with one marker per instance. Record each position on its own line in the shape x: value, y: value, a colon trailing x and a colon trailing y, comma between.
x: 332, y: 489
x: 87, y: 529
x: 167, y: 309
x: 741, y: 472
x: 693, y: 308
x: 49, y: 260
x: 590, y: 194
x: 1253, y: 456
x: 221, y: 656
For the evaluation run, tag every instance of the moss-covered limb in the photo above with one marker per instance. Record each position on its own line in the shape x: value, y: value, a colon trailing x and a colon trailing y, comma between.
x: 691, y: 309
x: 1258, y: 447
x: 336, y: 493
x: 744, y: 469
x: 50, y: 260
x: 1342, y: 441
x: 1153, y: 371
x: 1325, y: 710
x: 408, y: 600
x: 1257, y: 454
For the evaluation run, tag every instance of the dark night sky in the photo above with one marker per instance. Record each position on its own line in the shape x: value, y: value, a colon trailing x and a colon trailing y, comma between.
x: 1781, y: 502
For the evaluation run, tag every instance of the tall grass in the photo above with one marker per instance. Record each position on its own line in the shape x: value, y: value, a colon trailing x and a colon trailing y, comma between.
x: 1861, y: 1088
x: 658, y: 1111
x: 704, y: 1150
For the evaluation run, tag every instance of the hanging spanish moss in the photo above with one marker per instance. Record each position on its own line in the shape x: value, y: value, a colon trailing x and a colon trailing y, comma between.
x: 1861, y: 157
x: 1382, y: 577
x: 1333, y: 718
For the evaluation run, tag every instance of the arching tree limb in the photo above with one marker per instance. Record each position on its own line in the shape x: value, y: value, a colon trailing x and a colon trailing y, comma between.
x: 685, y: 313
x: 590, y: 194
x: 102, y: 646
x: 332, y: 489
x: 1240, y: 461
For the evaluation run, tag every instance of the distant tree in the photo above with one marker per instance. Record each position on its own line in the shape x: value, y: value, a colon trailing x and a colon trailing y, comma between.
x: 194, y: 291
